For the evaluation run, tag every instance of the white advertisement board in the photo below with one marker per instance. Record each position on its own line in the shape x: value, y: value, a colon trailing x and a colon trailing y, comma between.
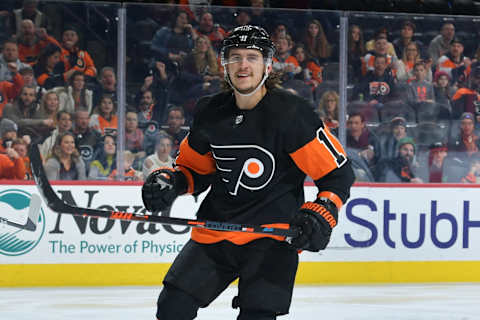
x: 376, y: 224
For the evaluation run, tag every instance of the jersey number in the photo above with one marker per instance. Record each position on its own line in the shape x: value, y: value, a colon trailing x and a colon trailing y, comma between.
x: 339, y: 157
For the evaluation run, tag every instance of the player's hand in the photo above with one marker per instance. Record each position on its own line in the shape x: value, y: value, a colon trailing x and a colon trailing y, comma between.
x: 162, y: 187
x: 316, y: 221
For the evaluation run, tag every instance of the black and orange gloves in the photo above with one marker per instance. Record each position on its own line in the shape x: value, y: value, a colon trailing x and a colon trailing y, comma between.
x: 316, y: 221
x: 162, y: 187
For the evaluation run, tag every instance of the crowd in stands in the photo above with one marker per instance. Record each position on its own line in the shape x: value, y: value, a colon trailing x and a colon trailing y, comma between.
x: 413, y: 91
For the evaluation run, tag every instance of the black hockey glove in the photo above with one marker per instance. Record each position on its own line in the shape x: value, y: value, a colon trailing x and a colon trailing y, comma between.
x: 161, y: 188
x: 316, y: 221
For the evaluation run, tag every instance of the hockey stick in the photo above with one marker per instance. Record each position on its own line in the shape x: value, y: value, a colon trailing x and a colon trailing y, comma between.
x: 32, y: 218
x: 59, y: 206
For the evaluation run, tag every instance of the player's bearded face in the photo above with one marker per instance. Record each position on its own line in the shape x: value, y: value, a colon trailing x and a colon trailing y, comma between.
x: 245, y: 68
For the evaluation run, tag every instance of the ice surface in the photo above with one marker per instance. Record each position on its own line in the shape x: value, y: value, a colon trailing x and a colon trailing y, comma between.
x: 395, y: 302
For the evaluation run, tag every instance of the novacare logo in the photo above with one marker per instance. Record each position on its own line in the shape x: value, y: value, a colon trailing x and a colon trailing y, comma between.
x: 14, y: 208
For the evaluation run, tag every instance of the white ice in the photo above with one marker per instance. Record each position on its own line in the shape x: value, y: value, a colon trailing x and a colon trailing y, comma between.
x: 360, y: 302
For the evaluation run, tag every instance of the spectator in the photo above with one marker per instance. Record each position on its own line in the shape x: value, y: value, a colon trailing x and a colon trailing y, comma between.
x: 207, y: 28
x: 473, y: 175
x: 175, y: 122
x: 75, y: 95
x: 201, y: 69
x: 73, y: 57
x: 241, y: 17
x: 312, y: 72
x: 133, y: 135
x: 371, y: 45
x: 279, y: 31
x: 104, y: 119
x: 258, y: 17
x: 162, y: 156
x: 149, y: 110
x: 11, y: 165
x: 8, y: 133
x: 466, y: 99
x: 420, y: 90
x: 454, y: 63
x: 6, y: 9
x: 443, y: 90
x: 316, y: 42
x: 283, y: 61
x: 27, y: 114
x: 105, y: 160
x: 437, y: 154
x: 466, y: 141
x: 440, y: 45
x: 29, y: 80
x: 130, y: 173
x: 107, y: 85
x: 64, y: 124
x: 161, y: 81
x: 49, y: 108
x: 404, y: 66
x: 195, y: 9
x: 356, y: 49
x: 401, y: 168
x: 406, y: 37
x: 8, y: 90
x: 362, y: 140
x: 50, y: 71
x: 174, y: 43
x: 9, y: 55
x: 377, y: 86
x: 360, y: 166
x: 328, y: 108
x: 380, y: 49
x: 31, y: 42
x: 50, y: 105
x: 29, y: 11
x: 21, y: 147
x: 86, y: 139
x: 389, y: 142
x: 65, y: 162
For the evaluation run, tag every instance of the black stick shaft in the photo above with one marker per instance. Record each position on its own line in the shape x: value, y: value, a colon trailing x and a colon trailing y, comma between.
x: 58, y: 205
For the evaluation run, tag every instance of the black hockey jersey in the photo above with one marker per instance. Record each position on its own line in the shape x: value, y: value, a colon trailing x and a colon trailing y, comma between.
x: 256, y: 162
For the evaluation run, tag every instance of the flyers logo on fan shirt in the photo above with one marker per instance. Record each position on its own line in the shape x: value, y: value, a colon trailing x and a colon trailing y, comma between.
x: 249, y: 167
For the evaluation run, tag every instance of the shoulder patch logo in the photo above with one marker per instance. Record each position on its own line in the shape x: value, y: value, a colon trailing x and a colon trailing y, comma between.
x: 250, y: 167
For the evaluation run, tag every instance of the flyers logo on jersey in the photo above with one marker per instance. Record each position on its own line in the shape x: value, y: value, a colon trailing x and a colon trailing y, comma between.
x: 250, y: 167
x: 379, y: 88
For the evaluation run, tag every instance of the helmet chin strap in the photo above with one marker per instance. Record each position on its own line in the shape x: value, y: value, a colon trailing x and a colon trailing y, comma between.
x: 229, y: 81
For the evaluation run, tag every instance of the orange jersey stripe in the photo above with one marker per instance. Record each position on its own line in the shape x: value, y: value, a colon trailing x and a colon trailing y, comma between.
x: 191, y: 159
x: 315, y: 159
x: 212, y: 236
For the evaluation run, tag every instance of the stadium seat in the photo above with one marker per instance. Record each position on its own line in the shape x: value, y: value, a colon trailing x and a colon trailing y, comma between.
x: 369, y: 112
x: 429, y: 132
x: 427, y: 111
x: 325, y: 86
x: 396, y: 108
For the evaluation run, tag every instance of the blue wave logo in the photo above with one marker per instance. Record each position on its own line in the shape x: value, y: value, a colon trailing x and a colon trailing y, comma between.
x: 14, y: 207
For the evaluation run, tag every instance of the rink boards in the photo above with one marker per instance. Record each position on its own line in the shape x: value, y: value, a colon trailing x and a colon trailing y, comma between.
x: 386, y: 233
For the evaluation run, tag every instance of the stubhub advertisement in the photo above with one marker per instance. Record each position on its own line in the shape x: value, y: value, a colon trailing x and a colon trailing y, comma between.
x: 376, y: 224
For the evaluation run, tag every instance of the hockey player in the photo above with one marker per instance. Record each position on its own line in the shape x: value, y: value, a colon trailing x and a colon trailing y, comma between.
x: 253, y: 145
